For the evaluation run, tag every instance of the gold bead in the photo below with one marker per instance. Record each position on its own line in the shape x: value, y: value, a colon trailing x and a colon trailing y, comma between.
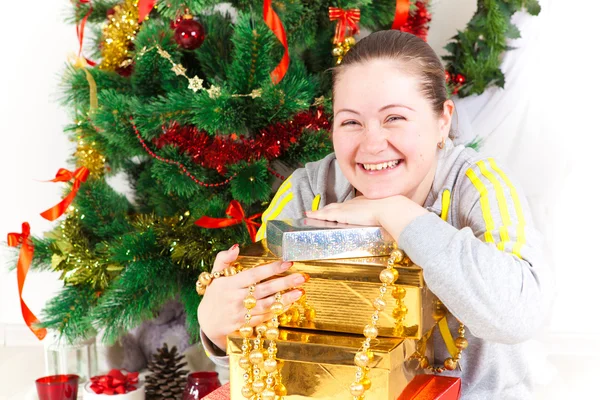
x: 244, y: 362
x: 250, y: 302
x: 361, y: 359
x: 370, y: 331
x: 284, y: 319
x: 357, y: 389
x: 310, y: 314
x: 258, y: 385
x: 424, y: 363
x: 280, y: 390
x: 379, y: 304
x: 366, y: 382
x: 337, y: 52
x: 261, y: 329
x: 397, y: 255
x: 277, y: 308
x: 205, y: 278
x: 267, y: 394
x: 230, y: 271
x: 200, y: 289
x: 247, y: 391
x: 270, y: 365
x: 388, y: 276
x: 439, y: 313
x: 256, y: 357
x: 350, y: 41
x: 399, y: 312
x: 272, y: 333
x: 398, y: 293
x: 461, y: 343
x: 294, y: 315
x: 450, y: 364
x: 246, y: 331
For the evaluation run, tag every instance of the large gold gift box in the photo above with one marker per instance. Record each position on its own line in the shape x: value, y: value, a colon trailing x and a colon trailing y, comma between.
x: 340, y: 292
x: 320, y: 365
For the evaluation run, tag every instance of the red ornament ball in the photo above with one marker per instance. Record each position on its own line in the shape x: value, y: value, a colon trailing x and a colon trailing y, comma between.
x: 189, y: 34
x: 460, y: 79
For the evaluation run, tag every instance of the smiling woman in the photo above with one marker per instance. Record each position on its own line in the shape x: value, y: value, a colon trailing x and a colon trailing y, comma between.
x: 453, y: 211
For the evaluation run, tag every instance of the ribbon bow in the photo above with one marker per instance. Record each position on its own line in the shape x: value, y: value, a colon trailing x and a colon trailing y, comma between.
x: 25, y: 257
x: 114, y: 382
x: 401, y: 15
x: 63, y: 175
x: 346, y: 19
x: 144, y: 8
x: 236, y: 212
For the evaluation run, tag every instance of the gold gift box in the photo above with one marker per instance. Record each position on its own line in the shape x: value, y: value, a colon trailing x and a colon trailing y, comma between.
x: 320, y: 365
x: 340, y: 292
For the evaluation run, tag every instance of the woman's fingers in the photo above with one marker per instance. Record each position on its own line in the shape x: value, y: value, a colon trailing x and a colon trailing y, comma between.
x: 225, y: 258
x: 263, y: 306
x: 272, y: 286
x: 254, y: 275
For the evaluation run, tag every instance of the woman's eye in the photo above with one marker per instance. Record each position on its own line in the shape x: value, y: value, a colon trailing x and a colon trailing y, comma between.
x: 349, y: 122
x: 394, y: 118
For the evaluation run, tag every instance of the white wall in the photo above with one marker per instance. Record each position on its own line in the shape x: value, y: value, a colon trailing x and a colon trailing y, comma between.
x: 35, y: 45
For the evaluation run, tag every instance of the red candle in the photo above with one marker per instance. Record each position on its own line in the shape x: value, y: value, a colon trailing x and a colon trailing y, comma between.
x: 57, y: 387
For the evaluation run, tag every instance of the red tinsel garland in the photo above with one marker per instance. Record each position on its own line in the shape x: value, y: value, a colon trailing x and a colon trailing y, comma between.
x: 418, y: 21
x: 217, y: 152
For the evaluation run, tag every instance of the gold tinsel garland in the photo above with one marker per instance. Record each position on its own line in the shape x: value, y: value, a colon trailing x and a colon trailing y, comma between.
x: 118, y: 34
x: 87, y: 155
x: 73, y: 257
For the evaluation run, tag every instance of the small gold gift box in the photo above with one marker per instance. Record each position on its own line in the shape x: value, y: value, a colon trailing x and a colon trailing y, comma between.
x: 340, y: 292
x: 320, y: 365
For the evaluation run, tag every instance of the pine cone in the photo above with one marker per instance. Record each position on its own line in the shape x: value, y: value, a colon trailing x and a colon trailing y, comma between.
x: 167, y: 379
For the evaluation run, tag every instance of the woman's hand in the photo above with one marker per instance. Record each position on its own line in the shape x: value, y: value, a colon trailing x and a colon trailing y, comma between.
x: 392, y: 213
x: 222, y: 311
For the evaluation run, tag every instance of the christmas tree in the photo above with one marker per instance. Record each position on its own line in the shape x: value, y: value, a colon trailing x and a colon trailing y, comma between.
x: 206, y: 109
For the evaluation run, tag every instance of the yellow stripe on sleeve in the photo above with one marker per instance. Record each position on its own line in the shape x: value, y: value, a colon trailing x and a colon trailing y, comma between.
x: 445, y: 204
x: 315, y: 203
x: 285, y: 186
x: 485, y: 205
x: 502, y: 205
x: 515, y: 198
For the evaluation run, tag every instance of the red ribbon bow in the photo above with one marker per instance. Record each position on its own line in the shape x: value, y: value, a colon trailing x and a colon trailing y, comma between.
x: 274, y: 23
x: 347, y: 19
x: 401, y: 16
x: 236, y: 212
x: 114, y: 382
x: 63, y: 175
x: 80, y: 30
x: 144, y: 8
x: 25, y: 257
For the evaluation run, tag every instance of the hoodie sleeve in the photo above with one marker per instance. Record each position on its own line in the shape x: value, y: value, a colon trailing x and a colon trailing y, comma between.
x: 490, y: 271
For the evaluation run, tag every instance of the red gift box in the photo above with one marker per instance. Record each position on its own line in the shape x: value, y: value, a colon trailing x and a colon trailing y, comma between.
x: 431, y: 387
x: 221, y: 393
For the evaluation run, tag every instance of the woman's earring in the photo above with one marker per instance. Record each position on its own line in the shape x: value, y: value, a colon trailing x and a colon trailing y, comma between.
x: 441, y: 144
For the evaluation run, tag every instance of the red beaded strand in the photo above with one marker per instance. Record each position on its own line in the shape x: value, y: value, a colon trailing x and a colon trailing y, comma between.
x: 173, y: 162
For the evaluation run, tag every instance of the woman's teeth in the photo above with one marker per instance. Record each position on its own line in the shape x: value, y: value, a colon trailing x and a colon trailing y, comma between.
x: 380, y: 166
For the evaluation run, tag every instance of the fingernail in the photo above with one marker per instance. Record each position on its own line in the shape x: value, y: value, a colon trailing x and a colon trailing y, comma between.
x: 286, y: 265
x: 306, y: 276
x: 299, y: 279
x: 235, y: 246
x: 297, y: 294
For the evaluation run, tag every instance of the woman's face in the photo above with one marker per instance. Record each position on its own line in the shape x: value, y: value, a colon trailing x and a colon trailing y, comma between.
x: 385, y: 133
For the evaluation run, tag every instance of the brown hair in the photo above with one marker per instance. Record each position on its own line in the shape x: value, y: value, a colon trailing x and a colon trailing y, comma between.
x: 415, y: 56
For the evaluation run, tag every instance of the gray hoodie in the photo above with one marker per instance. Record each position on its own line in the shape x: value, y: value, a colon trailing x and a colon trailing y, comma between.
x: 480, y: 254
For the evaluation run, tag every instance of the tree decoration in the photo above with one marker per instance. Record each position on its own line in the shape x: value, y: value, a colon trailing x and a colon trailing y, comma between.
x: 118, y: 35
x: 189, y: 33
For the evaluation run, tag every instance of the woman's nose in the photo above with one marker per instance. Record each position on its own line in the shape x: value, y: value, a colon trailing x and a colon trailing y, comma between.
x: 374, y: 140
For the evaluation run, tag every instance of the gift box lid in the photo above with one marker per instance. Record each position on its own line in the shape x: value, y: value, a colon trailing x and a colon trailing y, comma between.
x: 311, y: 239
x: 333, y: 348
x: 359, y: 269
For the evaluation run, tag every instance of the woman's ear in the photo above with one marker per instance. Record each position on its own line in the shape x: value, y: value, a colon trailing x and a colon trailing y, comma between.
x: 446, y: 119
